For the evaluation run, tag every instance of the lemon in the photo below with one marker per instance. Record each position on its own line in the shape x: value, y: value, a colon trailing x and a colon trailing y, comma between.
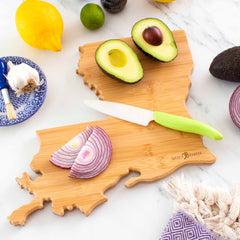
x: 39, y: 24
x: 92, y: 16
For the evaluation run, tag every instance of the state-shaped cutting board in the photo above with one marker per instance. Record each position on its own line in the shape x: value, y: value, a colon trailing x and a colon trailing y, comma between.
x: 153, y: 151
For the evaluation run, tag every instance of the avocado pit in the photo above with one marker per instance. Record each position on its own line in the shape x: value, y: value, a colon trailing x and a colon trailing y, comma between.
x: 153, y: 36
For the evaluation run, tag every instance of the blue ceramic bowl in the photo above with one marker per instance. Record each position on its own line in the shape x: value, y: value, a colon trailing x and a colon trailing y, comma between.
x: 26, y: 104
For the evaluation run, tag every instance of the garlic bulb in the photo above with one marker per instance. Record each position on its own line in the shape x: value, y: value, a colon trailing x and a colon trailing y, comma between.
x: 22, y: 78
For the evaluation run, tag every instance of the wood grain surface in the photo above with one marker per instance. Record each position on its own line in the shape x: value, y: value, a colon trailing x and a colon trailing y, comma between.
x: 153, y: 151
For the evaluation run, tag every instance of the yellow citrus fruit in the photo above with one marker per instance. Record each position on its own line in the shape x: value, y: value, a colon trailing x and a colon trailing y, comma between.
x: 164, y: 1
x: 40, y: 24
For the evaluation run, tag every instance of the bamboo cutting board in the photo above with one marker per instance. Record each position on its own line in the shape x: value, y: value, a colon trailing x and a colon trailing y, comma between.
x: 153, y: 151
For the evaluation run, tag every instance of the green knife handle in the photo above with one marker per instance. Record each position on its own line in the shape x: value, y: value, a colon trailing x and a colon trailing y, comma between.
x: 186, y: 125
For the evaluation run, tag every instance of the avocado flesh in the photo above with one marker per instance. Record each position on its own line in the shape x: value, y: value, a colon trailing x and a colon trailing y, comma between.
x: 164, y: 52
x: 118, y: 60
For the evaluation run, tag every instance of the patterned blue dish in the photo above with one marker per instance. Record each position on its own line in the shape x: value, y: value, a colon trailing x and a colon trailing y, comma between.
x: 26, y: 104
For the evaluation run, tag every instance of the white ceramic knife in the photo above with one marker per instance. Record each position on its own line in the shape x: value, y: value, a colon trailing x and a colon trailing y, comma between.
x: 143, y: 117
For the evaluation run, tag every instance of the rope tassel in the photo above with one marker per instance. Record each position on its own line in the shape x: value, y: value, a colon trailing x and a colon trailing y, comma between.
x: 219, y: 210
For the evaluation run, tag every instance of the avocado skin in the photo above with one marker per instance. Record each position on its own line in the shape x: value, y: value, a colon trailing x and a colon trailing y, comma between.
x: 113, y: 6
x: 149, y: 55
x: 226, y: 65
x: 114, y: 77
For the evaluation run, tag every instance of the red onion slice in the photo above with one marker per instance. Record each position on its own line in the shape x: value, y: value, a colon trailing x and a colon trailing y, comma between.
x: 66, y: 155
x: 234, y: 107
x: 94, y: 156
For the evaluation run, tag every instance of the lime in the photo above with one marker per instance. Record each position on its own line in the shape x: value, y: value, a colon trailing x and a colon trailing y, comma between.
x: 92, y: 16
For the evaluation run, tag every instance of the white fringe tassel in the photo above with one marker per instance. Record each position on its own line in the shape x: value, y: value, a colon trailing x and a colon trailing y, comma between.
x: 219, y: 210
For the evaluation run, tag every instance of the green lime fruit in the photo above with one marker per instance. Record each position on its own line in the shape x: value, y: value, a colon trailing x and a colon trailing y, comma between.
x: 92, y: 16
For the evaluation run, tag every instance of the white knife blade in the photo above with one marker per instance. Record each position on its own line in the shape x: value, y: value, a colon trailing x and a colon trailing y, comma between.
x: 129, y: 113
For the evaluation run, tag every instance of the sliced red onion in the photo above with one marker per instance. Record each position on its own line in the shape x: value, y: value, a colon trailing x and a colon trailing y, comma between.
x: 65, y: 156
x: 94, y: 156
x: 234, y: 107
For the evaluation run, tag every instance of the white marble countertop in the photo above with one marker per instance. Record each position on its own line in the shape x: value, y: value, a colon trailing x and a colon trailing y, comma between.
x: 141, y: 212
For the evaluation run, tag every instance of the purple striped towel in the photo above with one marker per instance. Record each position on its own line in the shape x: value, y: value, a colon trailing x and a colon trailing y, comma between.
x: 182, y: 226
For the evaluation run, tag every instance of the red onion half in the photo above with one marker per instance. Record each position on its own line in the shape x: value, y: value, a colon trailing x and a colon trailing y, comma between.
x: 234, y: 107
x: 65, y: 156
x: 94, y: 156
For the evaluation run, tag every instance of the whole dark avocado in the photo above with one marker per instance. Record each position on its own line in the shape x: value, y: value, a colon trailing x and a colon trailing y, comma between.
x: 113, y: 6
x: 226, y: 65
x: 154, y: 38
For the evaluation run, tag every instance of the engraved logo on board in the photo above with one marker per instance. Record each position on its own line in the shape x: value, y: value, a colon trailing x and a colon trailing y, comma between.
x: 185, y: 155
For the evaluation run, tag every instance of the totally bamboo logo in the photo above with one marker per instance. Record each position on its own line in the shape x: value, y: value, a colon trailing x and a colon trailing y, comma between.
x: 186, y: 155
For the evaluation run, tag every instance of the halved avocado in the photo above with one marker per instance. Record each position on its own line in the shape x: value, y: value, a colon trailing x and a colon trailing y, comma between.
x: 154, y: 38
x: 119, y: 61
